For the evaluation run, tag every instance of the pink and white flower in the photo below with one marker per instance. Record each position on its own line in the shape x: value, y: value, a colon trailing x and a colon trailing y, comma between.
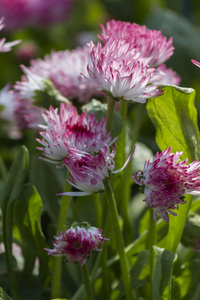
x: 119, y: 70
x: 90, y: 173
x: 66, y: 129
x: 64, y: 69
x: 8, y: 106
x: 165, y: 180
x: 77, y: 243
x: 150, y: 43
x: 5, y: 47
x: 167, y: 76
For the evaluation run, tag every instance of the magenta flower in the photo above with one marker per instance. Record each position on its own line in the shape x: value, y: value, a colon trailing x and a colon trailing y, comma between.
x: 165, y: 180
x: 64, y: 69
x: 5, y: 47
x: 66, y: 129
x: 150, y: 43
x: 90, y: 173
x: 77, y: 243
x: 119, y: 70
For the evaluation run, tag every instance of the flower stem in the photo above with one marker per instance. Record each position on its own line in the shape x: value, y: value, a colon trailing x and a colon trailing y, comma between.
x: 110, y: 110
x: 57, y: 261
x: 119, y: 242
x: 151, y: 240
x: 86, y: 281
x: 3, y: 169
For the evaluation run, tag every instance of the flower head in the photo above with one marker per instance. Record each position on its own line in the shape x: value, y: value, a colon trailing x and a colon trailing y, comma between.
x: 167, y: 76
x: 150, y: 43
x: 165, y: 180
x: 90, y: 173
x: 118, y: 69
x: 64, y: 69
x: 66, y: 129
x: 77, y: 243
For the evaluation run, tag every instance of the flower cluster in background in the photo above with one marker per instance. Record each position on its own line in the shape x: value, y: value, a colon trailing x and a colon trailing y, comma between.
x: 20, y: 13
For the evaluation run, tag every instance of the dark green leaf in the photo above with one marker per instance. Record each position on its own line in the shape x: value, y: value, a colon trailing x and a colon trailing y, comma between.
x: 3, y: 295
x: 27, y: 213
x: 162, y: 273
x: 10, y: 190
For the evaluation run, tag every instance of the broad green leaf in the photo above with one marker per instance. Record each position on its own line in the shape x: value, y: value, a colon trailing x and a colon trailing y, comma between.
x: 163, y: 261
x: 10, y: 190
x: 3, y: 295
x: 47, y: 186
x: 195, y: 206
x: 27, y: 213
x: 175, y: 118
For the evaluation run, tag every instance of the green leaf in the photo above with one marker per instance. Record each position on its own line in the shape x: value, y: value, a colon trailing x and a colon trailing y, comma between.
x: 163, y: 261
x: 175, y: 118
x: 10, y: 190
x: 3, y: 295
x: 27, y: 212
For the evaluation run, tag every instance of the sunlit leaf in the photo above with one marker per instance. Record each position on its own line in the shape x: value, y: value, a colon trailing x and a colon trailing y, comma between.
x: 175, y: 118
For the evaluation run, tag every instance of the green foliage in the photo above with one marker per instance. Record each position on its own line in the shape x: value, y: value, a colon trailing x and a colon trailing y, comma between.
x: 175, y: 118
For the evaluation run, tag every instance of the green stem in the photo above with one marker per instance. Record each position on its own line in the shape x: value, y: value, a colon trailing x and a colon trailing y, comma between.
x: 86, y: 281
x: 110, y: 110
x: 120, y: 243
x: 128, y: 228
x: 3, y: 169
x: 97, y: 207
x: 151, y: 240
x: 57, y: 261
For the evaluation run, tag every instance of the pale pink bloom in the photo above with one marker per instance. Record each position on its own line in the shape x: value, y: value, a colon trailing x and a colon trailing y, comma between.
x: 8, y: 106
x: 150, y: 43
x: 27, y: 115
x: 167, y: 76
x: 195, y: 63
x: 34, y: 13
x: 66, y: 129
x: 89, y: 173
x: 5, y: 47
x: 31, y: 83
x: 118, y: 70
x: 77, y: 243
x: 64, y: 69
x: 165, y: 180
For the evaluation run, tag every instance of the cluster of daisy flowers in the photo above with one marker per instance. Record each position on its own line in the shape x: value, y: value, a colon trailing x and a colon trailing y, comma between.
x: 129, y: 65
